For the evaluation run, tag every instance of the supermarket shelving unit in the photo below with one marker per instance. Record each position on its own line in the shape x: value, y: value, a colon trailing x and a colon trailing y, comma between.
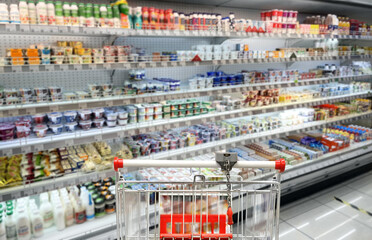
x: 17, y: 76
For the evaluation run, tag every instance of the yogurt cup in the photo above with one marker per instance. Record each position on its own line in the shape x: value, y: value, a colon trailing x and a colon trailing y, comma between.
x: 6, y: 128
x: 55, y: 90
x: 86, y: 125
x: 55, y: 117
x: 98, y: 113
x: 40, y: 130
x: 38, y: 118
x: 122, y: 121
x: 22, y: 133
x: 70, y: 116
x: 111, y: 123
x: 111, y: 116
x: 85, y: 114
x: 70, y: 127
x: 98, y: 123
x: 7, y: 137
x: 56, y: 128
x: 123, y: 115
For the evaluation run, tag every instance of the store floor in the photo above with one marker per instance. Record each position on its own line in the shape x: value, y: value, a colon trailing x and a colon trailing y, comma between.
x: 320, y: 216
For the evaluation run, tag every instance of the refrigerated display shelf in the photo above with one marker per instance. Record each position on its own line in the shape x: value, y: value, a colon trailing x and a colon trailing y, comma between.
x: 165, y: 64
x: 34, y: 144
x: 36, y: 108
x: 106, y: 226
x: 205, y: 148
x: 24, y: 29
x: 50, y: 183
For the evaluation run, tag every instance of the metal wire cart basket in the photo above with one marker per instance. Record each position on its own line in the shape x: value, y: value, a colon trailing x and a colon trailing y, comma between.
x: 204, y: 208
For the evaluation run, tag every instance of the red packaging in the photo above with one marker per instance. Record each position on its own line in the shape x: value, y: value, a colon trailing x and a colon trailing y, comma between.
x: 268, y: 15
x: 280, y: 15
x: 274, y: 15
x: 263, y: 16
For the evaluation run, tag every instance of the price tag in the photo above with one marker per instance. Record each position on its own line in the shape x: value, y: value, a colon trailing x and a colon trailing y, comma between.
x: 30, y: 111
x: 24, y: 28
x: 153, y: 64
x: 7, y: 152
x: 223, y: 62
x: 98, y: 138
x: 69, y: 142
x: 164, y: 64
x: 174, y: 64
x: 182, y: 63
x: 17, y: 68
x: 197, y: 63
x: 10, y: 27
x: 106, y: 65
x: 38, y: 147
x: 78, y: 67
x: 26, y: 149
x: 141, y: 65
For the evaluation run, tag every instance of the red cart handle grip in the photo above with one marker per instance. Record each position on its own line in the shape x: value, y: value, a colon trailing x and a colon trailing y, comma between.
x: 230, y: 216
x: 280, y: 165
x: 118, y: 163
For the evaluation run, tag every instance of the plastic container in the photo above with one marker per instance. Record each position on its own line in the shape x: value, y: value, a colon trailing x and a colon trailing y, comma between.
x: 14, y: 14
x: 46, y: 211
x: 111, y: 123
x: 111, y: 116
x: 40, y: 130
x: 86, y: 125
x: 123, y: 115
x: 70, y: 127
x: 56, y: 128
x: 4, y: 13
x: 23, y: 12
x: 98, y: 123
x: 99, y: 207
x: 70, y: 116
x: 6, y: 137
x: 6, y: 128
x: 41, y: 13
x: 55, y: 118
x: 98, y: 113
x: 122, y: 122
x: 32, y: 12
x: 110, y: 204
x: 85, y: 114
x: 38, y: 118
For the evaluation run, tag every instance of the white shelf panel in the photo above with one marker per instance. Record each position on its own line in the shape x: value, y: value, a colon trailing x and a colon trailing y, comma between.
x: 48, y: 184
x: 104, y: 32
x: 192, y: 151
x: 169, y: 64
x: 33, y: 143
x: 35, y: 108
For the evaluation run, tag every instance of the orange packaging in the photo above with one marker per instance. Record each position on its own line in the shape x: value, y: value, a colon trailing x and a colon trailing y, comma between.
x: 17, y: 57
x: 33, y: 56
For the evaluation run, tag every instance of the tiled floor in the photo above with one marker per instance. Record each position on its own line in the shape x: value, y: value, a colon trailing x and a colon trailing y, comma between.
x: 320, y: 216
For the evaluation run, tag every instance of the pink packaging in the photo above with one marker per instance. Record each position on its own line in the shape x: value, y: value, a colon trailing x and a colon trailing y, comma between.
x: 285, y: 16
x: 269, y: 26
x: 294, y: 16
x: 284, y: 28
x: 280, y: 27
x: 275, y: 27
x: 268, y: 16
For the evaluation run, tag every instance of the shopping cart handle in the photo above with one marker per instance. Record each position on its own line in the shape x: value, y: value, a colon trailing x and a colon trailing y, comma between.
x: 280, y: 165
x: 120, y: 163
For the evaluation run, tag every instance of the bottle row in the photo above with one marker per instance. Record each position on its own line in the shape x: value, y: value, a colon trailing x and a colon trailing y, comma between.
x: 120, y: 15
x: 28, y: 217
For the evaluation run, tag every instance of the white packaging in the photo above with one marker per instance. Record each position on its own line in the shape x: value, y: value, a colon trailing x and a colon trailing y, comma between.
x: 37, y: 224
x: 89, y: 209
x: 41, y: 13
x: 23, y: 12
x: 46, y: 211
x: 14, y: 14
x: 66, y: 17
x: 2, y: 229
x: 10, y: 226
x: 225, y: 55
x: 32, y: 12
x: 51, y: 13
x: 217, y: 55
x: 69, y: 213
x: 4, y: 14
x: 23, y: 225
x: 59, y: 217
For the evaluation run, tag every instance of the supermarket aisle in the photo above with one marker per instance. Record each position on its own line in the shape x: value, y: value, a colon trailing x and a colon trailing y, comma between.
x: 320, y: 216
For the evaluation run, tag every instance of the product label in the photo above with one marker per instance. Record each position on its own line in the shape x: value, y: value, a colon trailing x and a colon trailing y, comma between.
x: 23, y: 230
x: 48, y: 216
x: 69, y: 219
x: 38, y: 227
x: 80, y: 217
x: 11, y: 231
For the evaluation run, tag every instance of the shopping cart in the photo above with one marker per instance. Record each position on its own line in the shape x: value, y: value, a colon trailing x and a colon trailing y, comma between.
x: 223, y: 208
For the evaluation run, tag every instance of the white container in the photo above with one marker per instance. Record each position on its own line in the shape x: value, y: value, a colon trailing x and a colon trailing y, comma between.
x: 10, y: 226
x: 41, y: 13
x: 89, y: 209
x: 69, y: 213
x: 37, y: 224
x: 59, y: 217
x: 74, y: 14
x: 14, y: 14
x: 32, y: 12
x: 23, y: 225
x: 2, y: 229
x: 23, y: 12
x: 51, y: 13
x: 102, y: 20
x: 4, y: 14
x: 66, y: 19
x: 46, y: 211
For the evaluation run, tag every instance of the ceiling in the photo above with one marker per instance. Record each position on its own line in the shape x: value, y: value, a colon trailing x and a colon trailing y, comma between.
x: 360, y: 9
